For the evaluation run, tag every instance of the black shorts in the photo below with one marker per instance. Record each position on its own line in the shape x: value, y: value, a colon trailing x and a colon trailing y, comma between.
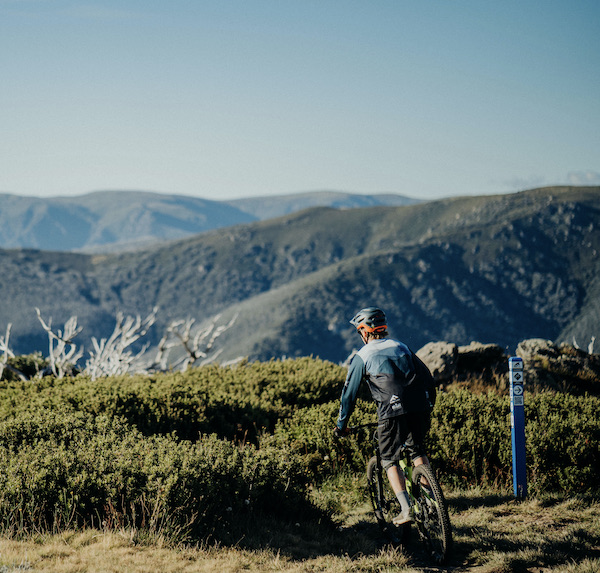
x: 395, y: 433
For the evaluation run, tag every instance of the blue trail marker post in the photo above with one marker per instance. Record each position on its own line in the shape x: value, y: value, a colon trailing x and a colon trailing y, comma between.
x: 517, y: 423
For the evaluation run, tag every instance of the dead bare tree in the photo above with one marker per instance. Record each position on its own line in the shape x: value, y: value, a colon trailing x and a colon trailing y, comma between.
x: 590, y: 348
x: 6, y: 351
x: 113, y: 356
x: 197, y: 346
x: 184, y: 342
x: 63, y: 352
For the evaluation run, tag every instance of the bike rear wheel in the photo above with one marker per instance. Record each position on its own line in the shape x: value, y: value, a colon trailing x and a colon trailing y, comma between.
x: 385, y: 504
x: 431, y: 513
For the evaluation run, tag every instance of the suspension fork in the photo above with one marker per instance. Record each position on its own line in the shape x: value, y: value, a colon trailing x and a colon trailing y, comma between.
x: 407, y: 469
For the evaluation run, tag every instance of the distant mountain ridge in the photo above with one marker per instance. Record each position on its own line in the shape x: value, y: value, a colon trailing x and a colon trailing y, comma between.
x: 498, y: 269
x: 105, y: 221
x: 108, y: 220
x: 269, y: 207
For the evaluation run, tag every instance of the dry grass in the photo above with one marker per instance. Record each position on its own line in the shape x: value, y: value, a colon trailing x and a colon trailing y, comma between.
x: 493, y: 534
x: 98, y: 552
x: 496, y: 534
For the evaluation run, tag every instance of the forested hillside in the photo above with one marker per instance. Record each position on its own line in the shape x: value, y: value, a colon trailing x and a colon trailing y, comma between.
x: 494, y: 269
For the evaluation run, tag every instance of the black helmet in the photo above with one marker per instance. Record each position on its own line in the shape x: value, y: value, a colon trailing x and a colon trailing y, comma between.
x: 371, y: 319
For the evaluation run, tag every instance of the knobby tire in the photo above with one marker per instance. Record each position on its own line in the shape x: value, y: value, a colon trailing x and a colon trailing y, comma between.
x: 431, y: 514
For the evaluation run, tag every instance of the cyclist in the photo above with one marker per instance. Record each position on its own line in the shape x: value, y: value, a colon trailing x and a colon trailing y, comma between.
x: 404, y: 391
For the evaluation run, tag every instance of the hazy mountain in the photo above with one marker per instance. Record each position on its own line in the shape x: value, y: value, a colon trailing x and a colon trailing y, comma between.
x: 275, y: 206
x: 108, y: 220
x: 114, y: 221
x: 494, y: 269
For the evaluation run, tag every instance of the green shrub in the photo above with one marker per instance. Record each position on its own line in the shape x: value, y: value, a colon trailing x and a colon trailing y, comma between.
x: 563, y: 442
x: 308, y: 432
x: 28, y: 365
x: 66, y: 469
x: 233, y: 402
x: 470, y: 440
x: 198, y: 449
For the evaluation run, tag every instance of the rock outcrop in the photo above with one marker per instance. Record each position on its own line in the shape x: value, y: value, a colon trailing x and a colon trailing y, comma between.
x: 478, y: 356
x: 449, y: 362
x: 441, y: 358
x: 562, y: 368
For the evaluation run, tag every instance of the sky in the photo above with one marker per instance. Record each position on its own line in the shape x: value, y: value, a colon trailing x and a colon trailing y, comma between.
x: 224, y: 99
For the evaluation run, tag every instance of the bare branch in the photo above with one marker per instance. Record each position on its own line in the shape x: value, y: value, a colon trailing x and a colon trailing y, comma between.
x: 6, y: 351
x: 111, y: 357
x: 65, y: 354
x: 196, y: 346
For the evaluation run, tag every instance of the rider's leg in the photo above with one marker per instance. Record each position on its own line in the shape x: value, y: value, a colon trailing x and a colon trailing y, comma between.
x: 419, y: 426
x: 396, y: 477
x: 398, y: 483
x: 391, y: 434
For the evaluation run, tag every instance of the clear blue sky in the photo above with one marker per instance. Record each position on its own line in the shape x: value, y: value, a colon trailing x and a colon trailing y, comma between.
x: 232, y: 98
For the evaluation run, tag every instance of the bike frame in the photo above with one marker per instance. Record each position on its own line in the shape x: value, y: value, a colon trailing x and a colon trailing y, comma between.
x: 406, y: 467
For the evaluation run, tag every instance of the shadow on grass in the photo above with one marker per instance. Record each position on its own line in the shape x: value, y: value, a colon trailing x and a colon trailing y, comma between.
x: 323, y: 537
x: 521, y: 554
x: 486, y: 529
x: 307, y: 538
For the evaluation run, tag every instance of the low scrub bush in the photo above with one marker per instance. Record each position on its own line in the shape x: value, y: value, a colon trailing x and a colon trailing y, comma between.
x: 563, y: 442
x: 470, y: 440
x: 233, y: 402
x: 308, y: 433
x: 63, y: 469
x: 195, y: 450
x: 29, y: 365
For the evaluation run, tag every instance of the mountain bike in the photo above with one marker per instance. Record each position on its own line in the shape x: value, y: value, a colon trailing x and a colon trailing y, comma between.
x: 430, y: 510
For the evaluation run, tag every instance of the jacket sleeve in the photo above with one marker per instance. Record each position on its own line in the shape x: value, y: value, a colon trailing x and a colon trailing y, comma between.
x: 356, y: 373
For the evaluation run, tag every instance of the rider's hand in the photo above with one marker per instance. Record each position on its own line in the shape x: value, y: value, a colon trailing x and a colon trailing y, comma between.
x: 338, y: 433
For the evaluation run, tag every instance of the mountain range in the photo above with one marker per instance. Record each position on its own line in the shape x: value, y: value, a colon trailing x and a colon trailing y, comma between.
x: 495, y: 269
x: 112, y: 221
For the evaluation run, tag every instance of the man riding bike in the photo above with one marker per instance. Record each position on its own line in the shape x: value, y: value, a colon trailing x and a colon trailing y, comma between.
x: 404, y: 391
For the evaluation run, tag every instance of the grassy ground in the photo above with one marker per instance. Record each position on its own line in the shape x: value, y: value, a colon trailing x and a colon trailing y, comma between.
x: 493, y: 534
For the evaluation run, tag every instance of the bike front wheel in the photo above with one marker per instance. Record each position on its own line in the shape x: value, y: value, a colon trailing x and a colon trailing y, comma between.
x: 431, y: 513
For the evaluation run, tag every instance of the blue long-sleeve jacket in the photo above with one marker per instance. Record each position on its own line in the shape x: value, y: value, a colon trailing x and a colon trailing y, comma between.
x: 399, y: 382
